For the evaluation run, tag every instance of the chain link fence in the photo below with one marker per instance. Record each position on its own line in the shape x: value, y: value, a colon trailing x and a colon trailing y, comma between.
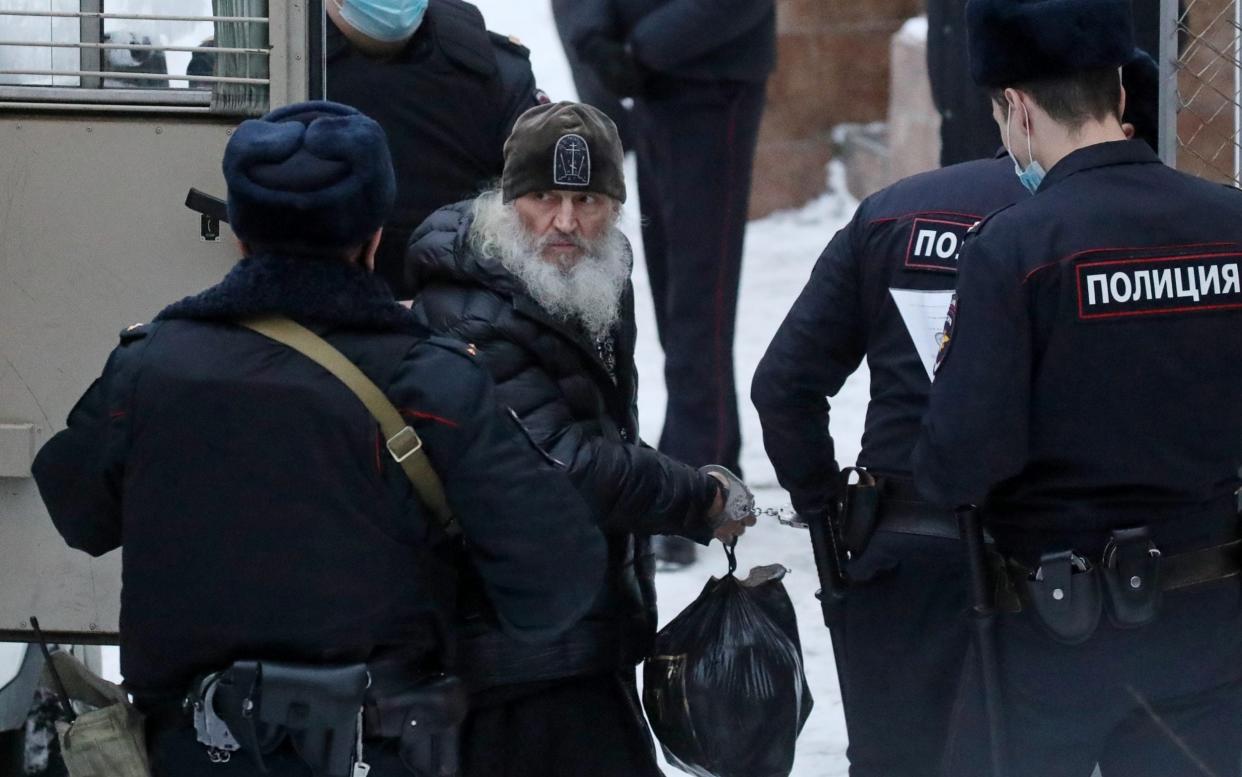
x: 1201, y: 94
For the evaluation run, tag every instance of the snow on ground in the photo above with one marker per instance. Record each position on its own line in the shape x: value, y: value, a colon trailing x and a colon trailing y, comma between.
x: 780, y: 252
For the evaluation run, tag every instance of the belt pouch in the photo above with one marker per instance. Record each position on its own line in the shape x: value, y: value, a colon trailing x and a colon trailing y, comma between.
x: 1132, y: 578
x: 318, y: 706
x: 860, y: 511
x: 1065, y: 595
x: 430, y: 736
x: 109, y: 739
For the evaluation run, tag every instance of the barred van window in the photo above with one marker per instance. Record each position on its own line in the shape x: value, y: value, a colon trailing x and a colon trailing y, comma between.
x: 181, y: 55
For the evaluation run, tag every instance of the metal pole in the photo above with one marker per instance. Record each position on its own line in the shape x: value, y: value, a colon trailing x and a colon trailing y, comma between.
x: 983, y: 620
x: 1168, y: 58
x: 1237, y: 95
x: 90, y: 31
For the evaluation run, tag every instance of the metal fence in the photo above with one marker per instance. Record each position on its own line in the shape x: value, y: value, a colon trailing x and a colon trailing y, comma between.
x: 1201, y: 87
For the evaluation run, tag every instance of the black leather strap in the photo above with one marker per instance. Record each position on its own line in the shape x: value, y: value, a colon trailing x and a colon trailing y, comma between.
x: 1181, y: 570
x: 905, y: 511
x: 1201, y: 566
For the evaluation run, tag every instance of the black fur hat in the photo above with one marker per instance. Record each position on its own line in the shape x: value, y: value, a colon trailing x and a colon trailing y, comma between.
x: 1013, y: 41
x: 315, y: 174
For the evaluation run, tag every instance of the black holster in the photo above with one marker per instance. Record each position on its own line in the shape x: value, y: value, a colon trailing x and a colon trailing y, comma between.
x: 1131, y: 572
x: 315, y: 707
x: 858, y: 511
x: 426, y: 716
x: 1064, y: 593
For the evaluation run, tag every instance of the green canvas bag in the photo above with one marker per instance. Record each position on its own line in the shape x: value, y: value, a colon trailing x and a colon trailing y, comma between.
x: 107, y: 738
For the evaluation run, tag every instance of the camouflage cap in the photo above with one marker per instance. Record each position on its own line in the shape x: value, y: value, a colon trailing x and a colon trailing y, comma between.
x: 569, y: 146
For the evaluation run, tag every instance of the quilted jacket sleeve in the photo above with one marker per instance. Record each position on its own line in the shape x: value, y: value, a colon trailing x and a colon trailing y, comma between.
x: 633, y: 489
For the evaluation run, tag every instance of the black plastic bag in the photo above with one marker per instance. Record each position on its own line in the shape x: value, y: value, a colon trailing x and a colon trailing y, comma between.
x: 724, y: 688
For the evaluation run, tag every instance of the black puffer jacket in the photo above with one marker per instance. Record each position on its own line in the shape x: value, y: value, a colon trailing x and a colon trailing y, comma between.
x: 553, y: 379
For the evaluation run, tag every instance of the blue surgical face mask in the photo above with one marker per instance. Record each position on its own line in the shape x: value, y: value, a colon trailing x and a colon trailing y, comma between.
x: 389, y: 21
x: 1034, y: 173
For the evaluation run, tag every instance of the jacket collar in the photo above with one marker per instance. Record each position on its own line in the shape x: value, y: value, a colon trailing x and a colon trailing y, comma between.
x: 1117, y: 152
x: 308, y: 290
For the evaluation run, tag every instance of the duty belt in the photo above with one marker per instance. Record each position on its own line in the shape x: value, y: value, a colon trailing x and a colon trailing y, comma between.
x: 1068, y: 592
x: 904, y: 510
x: 326, y: 711
x: 1182, y: 570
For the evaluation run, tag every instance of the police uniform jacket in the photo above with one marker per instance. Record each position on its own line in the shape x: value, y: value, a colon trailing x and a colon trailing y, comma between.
x: 579, y: 405
x: 258, y: 512
x: 728, y: 40
x: 902, y: 245
x: 1091, y: 375
x: 447, y: 103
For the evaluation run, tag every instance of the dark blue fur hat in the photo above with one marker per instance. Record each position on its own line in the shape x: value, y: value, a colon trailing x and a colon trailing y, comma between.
x: 314, y: 174
x: 1014, y: 41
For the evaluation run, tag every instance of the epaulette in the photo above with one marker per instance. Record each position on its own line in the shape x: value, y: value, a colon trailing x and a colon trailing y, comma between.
x: 134, y: 332
x: 978, y: 225
x: 462, y: 34
x: 510, y: 43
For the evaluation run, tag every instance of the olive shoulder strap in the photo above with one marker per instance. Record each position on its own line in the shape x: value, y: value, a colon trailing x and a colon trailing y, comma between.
x: 404, y: 444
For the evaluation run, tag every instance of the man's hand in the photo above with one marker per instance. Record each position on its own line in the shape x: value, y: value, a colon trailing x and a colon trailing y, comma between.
x: 734, y: 507
x: 614, y: 64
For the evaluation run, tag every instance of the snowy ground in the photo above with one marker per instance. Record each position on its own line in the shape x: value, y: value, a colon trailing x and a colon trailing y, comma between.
x: 780, y: 252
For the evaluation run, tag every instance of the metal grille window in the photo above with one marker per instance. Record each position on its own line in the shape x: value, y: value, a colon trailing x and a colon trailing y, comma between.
x: 152, y: 55
x: 1201, y: 88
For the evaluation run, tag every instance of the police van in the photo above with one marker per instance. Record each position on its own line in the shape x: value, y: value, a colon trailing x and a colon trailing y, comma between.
x: 110, y: 112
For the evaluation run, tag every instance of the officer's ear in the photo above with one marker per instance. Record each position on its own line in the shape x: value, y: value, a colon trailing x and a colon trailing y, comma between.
x: 243, y: 247
x: 1017, y: 114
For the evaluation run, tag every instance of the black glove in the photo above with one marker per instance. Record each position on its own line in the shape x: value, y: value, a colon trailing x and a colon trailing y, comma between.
x: 614, y: 64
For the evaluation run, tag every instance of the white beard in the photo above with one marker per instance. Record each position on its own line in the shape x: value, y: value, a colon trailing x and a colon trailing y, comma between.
x: 588, y: 293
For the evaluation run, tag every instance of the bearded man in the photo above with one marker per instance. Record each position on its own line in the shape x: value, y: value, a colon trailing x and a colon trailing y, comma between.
x: 534, y: 275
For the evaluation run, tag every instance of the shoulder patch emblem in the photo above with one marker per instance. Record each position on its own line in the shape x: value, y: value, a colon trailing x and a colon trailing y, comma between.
x: 936, y: 242
x: 571, y: 163
x: 946, y: 336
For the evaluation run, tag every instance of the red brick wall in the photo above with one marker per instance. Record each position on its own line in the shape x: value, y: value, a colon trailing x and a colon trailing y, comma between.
x: 833, y: 67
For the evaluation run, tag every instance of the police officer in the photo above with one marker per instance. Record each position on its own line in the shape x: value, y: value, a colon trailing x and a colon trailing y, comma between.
x: 878, y: 292
x: 445, y: 90
x: 260, y: 514
x: 592, y: 89
x: 1087, y: 400
x: 966, y: 127
x: 702, y: 71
